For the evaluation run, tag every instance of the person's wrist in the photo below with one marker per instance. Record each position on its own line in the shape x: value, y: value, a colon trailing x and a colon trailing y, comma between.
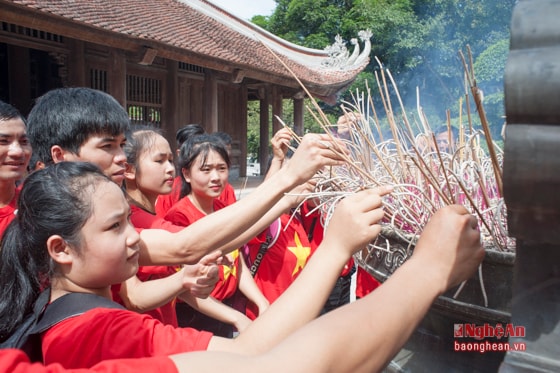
x: 430, y: 273
x: 286, y: 179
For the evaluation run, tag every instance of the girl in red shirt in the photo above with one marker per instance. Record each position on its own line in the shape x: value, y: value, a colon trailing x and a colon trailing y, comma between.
x: 149, y: 173
x: 204, y: 163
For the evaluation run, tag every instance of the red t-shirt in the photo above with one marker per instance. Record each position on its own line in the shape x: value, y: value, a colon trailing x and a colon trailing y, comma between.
x: 141, y: 218
x: 166, y: 201
x: 16, y: 361
x: 184, y: 213
x: 103, y: 334
x: 8, y: 212
x: 282, y: 262
x: 311, y: 221
x: 365, y: 282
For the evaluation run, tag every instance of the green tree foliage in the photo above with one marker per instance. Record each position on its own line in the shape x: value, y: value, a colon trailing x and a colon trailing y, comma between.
x: 489, y: 69
x: 417, y: 40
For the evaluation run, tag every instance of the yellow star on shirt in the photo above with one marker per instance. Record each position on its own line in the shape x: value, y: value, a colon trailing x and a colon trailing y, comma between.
x: 301, y: 252
x: 231, y: 270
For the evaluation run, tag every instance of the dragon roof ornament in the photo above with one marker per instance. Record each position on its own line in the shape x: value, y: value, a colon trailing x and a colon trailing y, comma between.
x: 339, y: 56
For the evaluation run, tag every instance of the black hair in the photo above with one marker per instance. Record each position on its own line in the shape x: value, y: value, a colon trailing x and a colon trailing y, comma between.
x: 33, y: 162
x: 187, y: 132
x: 68, y: 117
x: 54, y: 200
x: 199, y: 145
x: 225, y: 137
x: 8, y: 112
x: 139, y: 138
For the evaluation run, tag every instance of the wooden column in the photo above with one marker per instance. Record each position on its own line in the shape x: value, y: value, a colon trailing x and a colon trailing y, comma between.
x: 19, y: 83
x: 117, y: 76
x: 298, y: 115
x: 170, y: 121
x: 264, y: 133
x: 210, y: 120
x: 276, y: 109
x: 242, y: 130
x: 77, y: 64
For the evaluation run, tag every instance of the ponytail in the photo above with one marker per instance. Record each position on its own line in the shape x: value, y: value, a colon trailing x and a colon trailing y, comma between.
x: 21, y: 270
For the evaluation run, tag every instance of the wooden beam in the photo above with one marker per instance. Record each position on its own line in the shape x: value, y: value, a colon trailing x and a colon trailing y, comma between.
x: 237, y: 76
x: 148, y: 57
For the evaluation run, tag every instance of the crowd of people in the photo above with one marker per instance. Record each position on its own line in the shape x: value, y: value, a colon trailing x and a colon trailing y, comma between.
x: 206, y: 282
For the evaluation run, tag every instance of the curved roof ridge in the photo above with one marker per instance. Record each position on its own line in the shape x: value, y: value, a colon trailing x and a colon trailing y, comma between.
x: 267, y: 34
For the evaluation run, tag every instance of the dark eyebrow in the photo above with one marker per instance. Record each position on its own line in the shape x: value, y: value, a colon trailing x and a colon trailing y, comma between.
x: 117, y: 216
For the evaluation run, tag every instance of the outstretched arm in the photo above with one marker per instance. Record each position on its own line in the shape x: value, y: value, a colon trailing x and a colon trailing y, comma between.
x: 249, y: 288
x: 371, y: 330
x: 220, y: 229
x: 354, y: 223
x: 448, y: 252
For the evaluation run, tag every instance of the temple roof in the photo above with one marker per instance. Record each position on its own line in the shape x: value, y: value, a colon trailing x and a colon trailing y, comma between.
x: 198, y: 32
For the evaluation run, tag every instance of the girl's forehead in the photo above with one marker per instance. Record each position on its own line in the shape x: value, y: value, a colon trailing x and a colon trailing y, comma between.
x: 158, y: 144
x: 107, y: 191
x: 210, y: 156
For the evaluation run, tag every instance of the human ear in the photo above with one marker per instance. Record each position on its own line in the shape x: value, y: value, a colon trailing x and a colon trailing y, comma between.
x: 130, y: 171
x: 57, y: 154
x: 60, y: 154
x: 59, y: 250
x: 186, y: 174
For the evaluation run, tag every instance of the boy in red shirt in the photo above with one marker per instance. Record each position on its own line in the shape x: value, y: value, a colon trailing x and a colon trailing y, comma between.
x: 15, y: 152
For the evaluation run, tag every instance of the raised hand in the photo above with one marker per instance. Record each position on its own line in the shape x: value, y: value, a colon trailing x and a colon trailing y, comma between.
x: 355, y: 221
x: 450, y: 245
x: 199, y: 279
x: 280, y: 143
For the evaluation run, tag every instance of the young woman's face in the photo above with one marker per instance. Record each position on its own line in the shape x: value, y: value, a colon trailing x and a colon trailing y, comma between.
x: 155, y: 170
x: 15, y: 149
x: 109, y: 245
x: 208, y: 179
